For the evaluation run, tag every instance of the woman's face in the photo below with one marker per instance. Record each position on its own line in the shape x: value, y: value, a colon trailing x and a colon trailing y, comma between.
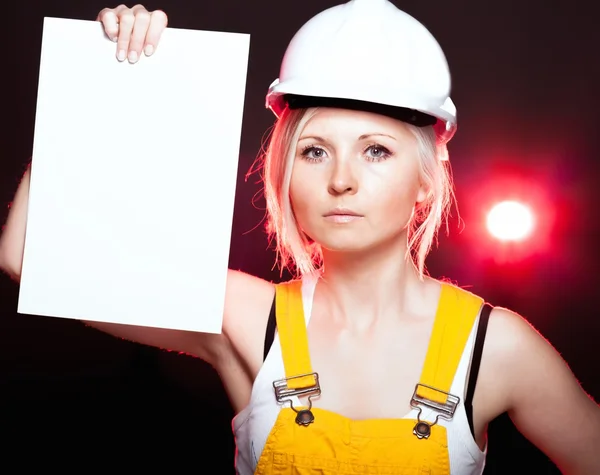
x: 355, y: 179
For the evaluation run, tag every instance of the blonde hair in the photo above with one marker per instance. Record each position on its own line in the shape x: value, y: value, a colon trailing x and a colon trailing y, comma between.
x: 295, y: 251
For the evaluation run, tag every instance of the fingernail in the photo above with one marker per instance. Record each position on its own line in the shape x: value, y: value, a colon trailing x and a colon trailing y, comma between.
x: 121, y: 55
x: 133, y: 57
x: 148, y: 50
x: 115, y: 38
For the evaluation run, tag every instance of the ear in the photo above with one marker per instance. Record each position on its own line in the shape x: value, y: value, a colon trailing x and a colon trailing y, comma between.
x: 422, y: 193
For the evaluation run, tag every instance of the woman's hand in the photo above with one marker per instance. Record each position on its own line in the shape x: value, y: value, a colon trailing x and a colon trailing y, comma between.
x: 134, y: 30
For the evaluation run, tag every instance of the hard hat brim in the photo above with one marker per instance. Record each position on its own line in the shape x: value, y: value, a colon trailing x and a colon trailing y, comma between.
x: 441, y: 114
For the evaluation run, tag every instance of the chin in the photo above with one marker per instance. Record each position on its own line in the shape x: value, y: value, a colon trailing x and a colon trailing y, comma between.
x: 348, y: 244
x: 345, y: 248
x: 354, y: 242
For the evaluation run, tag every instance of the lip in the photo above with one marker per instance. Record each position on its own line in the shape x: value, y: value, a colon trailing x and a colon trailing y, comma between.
x: 342, y: 212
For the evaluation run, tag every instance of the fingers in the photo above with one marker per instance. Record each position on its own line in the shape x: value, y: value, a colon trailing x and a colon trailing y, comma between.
x: 126, y: 19
x: 140, y: 21
x: 158, y: 23
x: 110, y: 22
x: 133, y: 29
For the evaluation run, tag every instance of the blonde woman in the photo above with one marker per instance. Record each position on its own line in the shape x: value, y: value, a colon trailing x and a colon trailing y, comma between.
x: 363, y: 363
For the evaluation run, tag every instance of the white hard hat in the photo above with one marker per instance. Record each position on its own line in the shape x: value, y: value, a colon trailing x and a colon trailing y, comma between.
x: 367, y: 54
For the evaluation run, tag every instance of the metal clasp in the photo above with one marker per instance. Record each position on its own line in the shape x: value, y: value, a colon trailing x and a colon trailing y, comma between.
x: 444, y: 410
x: 283, y: 393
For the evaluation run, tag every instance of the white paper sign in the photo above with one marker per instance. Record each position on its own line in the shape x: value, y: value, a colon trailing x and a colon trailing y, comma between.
x: 133, y: 178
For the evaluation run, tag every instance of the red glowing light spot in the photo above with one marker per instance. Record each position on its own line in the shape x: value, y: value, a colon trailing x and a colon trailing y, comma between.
x: 510, y: 221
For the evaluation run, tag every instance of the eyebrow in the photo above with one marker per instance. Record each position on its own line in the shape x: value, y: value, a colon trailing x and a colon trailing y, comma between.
x: 362, y: 137
x: 366, y: 136
x: 312, y: 137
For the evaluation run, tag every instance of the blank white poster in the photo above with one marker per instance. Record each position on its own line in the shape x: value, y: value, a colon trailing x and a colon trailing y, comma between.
x: 133, y: 178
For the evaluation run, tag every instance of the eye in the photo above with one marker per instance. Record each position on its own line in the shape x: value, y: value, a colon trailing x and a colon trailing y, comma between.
x: 312, y: 153
x: 377, y: 153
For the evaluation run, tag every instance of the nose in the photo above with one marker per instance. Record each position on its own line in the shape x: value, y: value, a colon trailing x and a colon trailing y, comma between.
x: 343, y: 178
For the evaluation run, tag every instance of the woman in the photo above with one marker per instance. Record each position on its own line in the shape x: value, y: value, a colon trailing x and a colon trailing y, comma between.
x: 363, y: 364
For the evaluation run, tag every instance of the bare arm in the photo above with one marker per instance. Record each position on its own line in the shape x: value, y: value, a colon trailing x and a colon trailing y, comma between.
x: 12, y: 239
x: 542, y: 396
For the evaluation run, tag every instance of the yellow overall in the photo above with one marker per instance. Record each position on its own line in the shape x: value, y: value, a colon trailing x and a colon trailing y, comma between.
x: 311, y: 441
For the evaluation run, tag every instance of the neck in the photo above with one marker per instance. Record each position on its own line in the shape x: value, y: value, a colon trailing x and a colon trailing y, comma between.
x: 360, y: 290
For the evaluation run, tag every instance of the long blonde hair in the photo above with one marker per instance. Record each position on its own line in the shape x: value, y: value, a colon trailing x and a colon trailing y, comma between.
x: 295, y: 251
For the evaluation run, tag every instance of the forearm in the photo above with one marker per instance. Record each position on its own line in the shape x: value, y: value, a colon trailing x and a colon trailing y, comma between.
x: 12, y: 239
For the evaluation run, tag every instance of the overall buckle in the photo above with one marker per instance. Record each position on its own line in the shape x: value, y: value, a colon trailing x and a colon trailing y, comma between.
x: 283, y: 393
x: 444, y: 410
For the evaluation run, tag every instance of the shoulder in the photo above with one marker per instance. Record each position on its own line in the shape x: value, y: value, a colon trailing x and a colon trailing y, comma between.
x: 511, y: 338
x: 247, y: 304
x: 514, y: 356
x: 249, y: 298
x: 518, y: 360
x: 509, y: 330
x: 505, y: 326
x: 512, y: 348
x: 246, y: 299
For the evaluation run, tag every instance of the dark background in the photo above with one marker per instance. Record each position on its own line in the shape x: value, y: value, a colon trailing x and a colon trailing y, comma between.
x: 525, y: 82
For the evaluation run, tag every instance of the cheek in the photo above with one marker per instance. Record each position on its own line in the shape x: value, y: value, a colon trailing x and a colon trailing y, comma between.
x: 296, y: 191
x: 399, y: 194
x: 300, y: 193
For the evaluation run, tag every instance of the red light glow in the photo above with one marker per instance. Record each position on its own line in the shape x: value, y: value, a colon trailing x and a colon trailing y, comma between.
x: 510, y: 221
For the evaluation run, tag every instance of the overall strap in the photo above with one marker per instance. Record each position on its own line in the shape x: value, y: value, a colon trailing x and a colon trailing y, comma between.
x: 456, y: 314
x: 293, y: 337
